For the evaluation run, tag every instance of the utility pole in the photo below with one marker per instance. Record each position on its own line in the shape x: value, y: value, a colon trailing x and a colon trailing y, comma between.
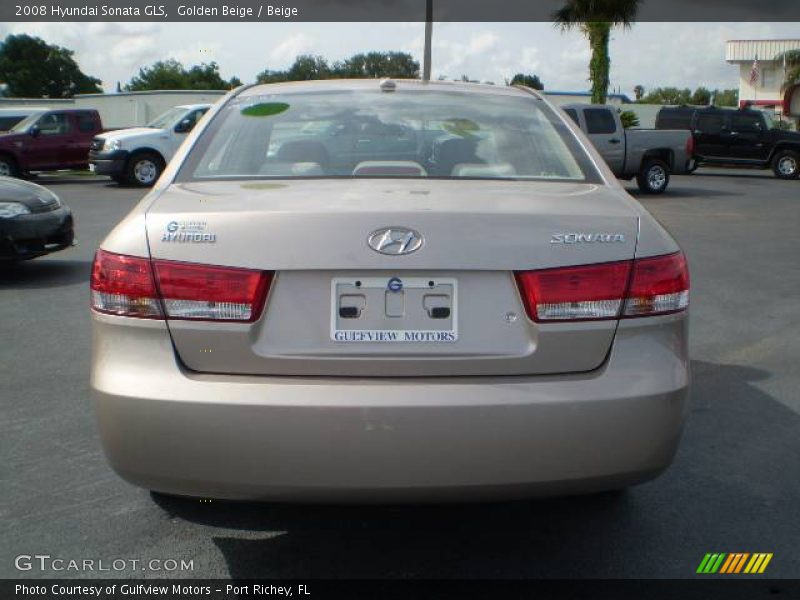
x: 426, y: 60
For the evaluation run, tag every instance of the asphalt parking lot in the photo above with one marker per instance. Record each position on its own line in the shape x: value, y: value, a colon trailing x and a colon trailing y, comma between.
x: 734, y: 487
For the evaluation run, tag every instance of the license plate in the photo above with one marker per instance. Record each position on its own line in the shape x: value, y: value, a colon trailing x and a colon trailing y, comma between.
x: 393, y: 309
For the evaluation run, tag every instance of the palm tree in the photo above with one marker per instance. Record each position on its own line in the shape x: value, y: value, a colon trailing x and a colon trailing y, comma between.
x: 595, y: 18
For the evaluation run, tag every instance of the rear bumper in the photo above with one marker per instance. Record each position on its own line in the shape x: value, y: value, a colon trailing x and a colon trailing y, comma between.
x: 351, y: 439
x: 32, y: 235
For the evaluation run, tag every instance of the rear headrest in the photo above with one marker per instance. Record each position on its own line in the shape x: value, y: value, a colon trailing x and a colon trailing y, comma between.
x: 286, y: 169
x: 449, y: 152
x: 478, y: 170
x: 389, y: 168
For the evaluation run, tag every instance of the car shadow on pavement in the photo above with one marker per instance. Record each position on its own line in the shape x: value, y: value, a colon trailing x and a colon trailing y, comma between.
x: 754, y: 174
x: 683, y: 192
x: 729, y: 490
x: 35, y: 274
x: 56, y: 180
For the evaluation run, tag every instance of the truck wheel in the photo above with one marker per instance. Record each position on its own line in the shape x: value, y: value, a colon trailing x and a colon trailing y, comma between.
x: 653, y: 178
x: 144, y: 169
x: 786, y: 164
x: 8, y: 167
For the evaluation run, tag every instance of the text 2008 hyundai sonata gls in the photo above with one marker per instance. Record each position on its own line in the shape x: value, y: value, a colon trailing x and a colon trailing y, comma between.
x: 380, y: 291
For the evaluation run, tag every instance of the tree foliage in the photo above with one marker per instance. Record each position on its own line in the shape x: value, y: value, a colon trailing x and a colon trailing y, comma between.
x: 596, y: 19
x: 531, y: 81
x: 172, y: 75
x: 370, y: 65
x: 638, y: 91
x: 628, y: 118
x: 700, y: 97
x: 32, y: 68
x: 398, y: 65
x: 792, y: 61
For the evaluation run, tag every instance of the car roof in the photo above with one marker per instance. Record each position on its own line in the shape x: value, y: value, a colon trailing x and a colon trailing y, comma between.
x: 355, y: 85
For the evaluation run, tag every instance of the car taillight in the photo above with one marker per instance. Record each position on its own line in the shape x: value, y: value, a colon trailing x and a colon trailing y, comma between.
x: 204, y: 292
x: 690, y: 146
x: 138, y: 287
x: 575, y: 293
x: 124, y: 285
x: 638, y: 288
x: 659, y: 285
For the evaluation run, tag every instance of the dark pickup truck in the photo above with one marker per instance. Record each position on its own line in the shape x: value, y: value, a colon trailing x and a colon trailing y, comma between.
x: 736, y: 137
x: 48, y: 141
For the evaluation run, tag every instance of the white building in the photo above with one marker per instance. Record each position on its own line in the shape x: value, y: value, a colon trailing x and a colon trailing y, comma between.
x: 765, y: 92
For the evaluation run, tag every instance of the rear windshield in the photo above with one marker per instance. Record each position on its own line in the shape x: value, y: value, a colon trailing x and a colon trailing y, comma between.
x: 413, y: 134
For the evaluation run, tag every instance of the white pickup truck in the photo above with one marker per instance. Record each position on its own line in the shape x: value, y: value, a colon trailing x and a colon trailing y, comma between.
x: 138, y: 155
x: 650, y: 155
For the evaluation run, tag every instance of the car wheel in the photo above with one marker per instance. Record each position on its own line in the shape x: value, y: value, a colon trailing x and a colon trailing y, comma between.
x: 653, y: 178
x: 144, y: 169
x: 8, y: 167
x: 786, y: 164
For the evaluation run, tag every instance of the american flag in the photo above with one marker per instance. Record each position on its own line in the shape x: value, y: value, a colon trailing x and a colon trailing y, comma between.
x: 754, y: 72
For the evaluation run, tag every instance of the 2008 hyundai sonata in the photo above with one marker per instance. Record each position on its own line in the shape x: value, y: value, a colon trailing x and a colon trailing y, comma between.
x: 382, y: 291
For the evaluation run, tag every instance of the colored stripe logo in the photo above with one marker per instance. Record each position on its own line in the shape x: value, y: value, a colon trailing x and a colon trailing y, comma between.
x: 734, y: 563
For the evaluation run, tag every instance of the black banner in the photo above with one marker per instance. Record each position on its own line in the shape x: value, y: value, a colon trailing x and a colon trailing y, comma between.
x: 734, y: 588
x: 377, y: 10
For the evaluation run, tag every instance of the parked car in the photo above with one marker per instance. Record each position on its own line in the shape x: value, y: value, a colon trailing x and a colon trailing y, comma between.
x: 494, y: 318
x: 138, y: 155
x: 33, y: 221
x: 11, y: 116
x: 736, y: 138
x: 646, y: 154
x: 48, y: 141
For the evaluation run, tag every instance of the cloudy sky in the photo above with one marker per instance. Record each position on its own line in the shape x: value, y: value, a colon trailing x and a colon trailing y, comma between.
x: 651, y: 54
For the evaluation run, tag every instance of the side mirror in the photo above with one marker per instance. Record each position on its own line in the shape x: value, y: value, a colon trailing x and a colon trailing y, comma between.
x: 184, y: 126
x: 34, y: 131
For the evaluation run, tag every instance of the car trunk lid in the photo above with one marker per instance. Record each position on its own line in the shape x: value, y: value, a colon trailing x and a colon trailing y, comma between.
x: 458, y: 296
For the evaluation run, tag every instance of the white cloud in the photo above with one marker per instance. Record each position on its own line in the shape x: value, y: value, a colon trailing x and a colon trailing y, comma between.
x: 286, y: 51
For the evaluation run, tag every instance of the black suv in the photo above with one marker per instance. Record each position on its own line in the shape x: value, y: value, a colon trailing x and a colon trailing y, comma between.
x: 734, y: 137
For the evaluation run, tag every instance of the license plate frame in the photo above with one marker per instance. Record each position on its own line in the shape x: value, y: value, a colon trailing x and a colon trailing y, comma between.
x: 417, y: 327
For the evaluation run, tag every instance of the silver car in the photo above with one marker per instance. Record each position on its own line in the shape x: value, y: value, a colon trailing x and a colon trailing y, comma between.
x: 458, y: 301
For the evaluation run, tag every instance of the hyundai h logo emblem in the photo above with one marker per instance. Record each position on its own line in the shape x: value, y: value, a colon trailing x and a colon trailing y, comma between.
x: 395, y: 241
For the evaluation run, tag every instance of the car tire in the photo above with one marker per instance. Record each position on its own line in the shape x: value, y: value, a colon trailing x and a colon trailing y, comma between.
x: 786, y: 164
x: 143, y: 169
x: 653, y: 177
x: 8, y: 166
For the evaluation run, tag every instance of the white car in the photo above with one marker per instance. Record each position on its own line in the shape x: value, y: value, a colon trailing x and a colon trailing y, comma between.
x: 138, y: 155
